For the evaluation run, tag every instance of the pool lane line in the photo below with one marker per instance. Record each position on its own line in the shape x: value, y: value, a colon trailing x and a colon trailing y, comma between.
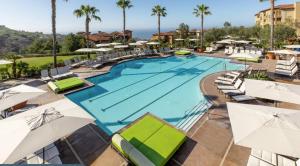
x: 148, y: 88
x: 144, y: 79
x: 170, y: 91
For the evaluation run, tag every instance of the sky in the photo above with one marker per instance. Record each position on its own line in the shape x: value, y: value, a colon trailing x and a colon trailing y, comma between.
x: 35, y: 15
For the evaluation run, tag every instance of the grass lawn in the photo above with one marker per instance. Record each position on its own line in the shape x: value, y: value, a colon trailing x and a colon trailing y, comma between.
x: 40, y: 61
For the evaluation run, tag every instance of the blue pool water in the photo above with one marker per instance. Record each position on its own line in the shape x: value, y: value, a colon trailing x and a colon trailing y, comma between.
x: 165, y: 87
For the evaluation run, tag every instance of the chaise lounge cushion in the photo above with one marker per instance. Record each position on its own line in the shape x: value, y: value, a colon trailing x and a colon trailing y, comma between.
x: 66, y: 84
x: 154, y: 138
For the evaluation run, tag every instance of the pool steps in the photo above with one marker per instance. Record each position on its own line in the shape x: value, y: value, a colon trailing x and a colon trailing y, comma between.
x: 193, y: 115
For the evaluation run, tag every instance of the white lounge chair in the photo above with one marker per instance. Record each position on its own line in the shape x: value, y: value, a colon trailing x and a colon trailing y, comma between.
x: 230, y: 51
x: 226, y: 50
x: 208, y: 50
x: 230, y: 87
x: 45, y: 76
x: 234, y: 92
x: 286, y: 62
x: 240, y: 98
x: 287, y: 72
x: 286, y: 67
x: 226, y: 78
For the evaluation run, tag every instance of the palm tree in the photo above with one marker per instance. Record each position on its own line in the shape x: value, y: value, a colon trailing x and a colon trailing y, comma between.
x: 53, y: 18
x: 272, y: 3
x: 159, y: 12
x: 124, y: 4
x: 13, y: 57
x: 201, y: 11
x: 90, y: 12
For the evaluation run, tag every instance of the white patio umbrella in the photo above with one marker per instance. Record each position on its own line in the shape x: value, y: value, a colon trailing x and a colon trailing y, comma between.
x: 291, y: 46
x: 121, y: 46
x: 153, y: 43
x: 193, y: 39
x: 103, y: 45
x: 242, y: 42
x: 103, y: 49
x: 273, y: 90
x: 115, y: 44
x: 86, y: 50
x: 28, y: 132
x: 142, y: 42
x: 16, y: 95
x: 265, y: 128
x: 5, y: 62
x: 179, y: 39
x: 244, y: 56
x: 135, y: 44
x: 226, y: 41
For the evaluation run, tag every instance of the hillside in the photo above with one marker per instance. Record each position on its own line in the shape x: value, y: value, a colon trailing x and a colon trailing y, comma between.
x: 15, y: 41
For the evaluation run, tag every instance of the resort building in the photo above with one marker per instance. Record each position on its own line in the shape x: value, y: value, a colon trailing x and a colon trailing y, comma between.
x: 287, y: 14
x: 165, y: 36
x: 103, y: 37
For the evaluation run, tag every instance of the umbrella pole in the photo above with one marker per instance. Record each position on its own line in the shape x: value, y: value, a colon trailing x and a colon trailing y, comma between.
x: 43, y: 155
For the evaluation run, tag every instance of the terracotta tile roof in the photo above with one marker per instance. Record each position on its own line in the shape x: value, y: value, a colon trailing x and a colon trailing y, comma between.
x: 281, y: 7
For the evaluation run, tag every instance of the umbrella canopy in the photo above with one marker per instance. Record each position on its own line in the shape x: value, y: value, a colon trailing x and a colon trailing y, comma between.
x: 193, y: 39
x: 5, y: 62
x: 242, y: 42
x: 121, y: 46
x: 142, y: 42
x: 135, y: 44
x: 226, y: 41
x: 292, y: 46
x: 27, y: 132
x: 16, y: 95
x: 153, y: 43
x: 115, y: 44
x: 86, y: 50
x: 285, y: 52
x: 273, y: 90
x: 103, y: 49
x: 179, y: 39
x: 271, y: 129
x: 103, y: 45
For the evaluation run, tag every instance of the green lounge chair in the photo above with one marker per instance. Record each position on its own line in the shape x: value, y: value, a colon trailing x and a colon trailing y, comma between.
x: 149, y: 141
x: 183, y: 52
x: 256, y: 60
x: 65, y: 84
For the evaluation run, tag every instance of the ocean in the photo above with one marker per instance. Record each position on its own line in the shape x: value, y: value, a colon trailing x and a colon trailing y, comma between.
x: 146, y: 34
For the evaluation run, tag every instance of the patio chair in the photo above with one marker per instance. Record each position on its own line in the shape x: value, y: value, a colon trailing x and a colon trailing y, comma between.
x: 287, y: 72
x: 97, y: 64
x: 224, y: 78
x: 240, y: 98
x: 286, y: 62
x: 53, y: 73
x: 286, y: 67
x: 235, y: 92
x: 230, y: 87
x: 236, y: 50
x: 252, y: 52
x: 226, y: 51
x: 45, y: 76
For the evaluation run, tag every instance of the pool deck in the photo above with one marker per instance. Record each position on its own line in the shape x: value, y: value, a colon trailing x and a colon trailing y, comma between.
x: 210, y: 139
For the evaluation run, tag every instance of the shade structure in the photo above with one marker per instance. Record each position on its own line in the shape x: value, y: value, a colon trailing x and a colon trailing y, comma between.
x: 285, y: 52
x: 153, y: 43
x: 265, y: 128
x: 16, y: 95
x: 27, y: 132
x: 273, y: 90
x: 5, y: 62
x: 121, y: 46
x: 103, y: 45
x: 193, y: 39
x: 115, y: 44
x: 179, y: 39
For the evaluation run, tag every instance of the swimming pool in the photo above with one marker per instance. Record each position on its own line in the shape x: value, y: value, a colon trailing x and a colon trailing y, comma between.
x: 166, y: 87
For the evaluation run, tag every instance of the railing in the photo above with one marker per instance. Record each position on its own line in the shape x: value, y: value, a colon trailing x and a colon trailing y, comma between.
x: 192, y: 115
